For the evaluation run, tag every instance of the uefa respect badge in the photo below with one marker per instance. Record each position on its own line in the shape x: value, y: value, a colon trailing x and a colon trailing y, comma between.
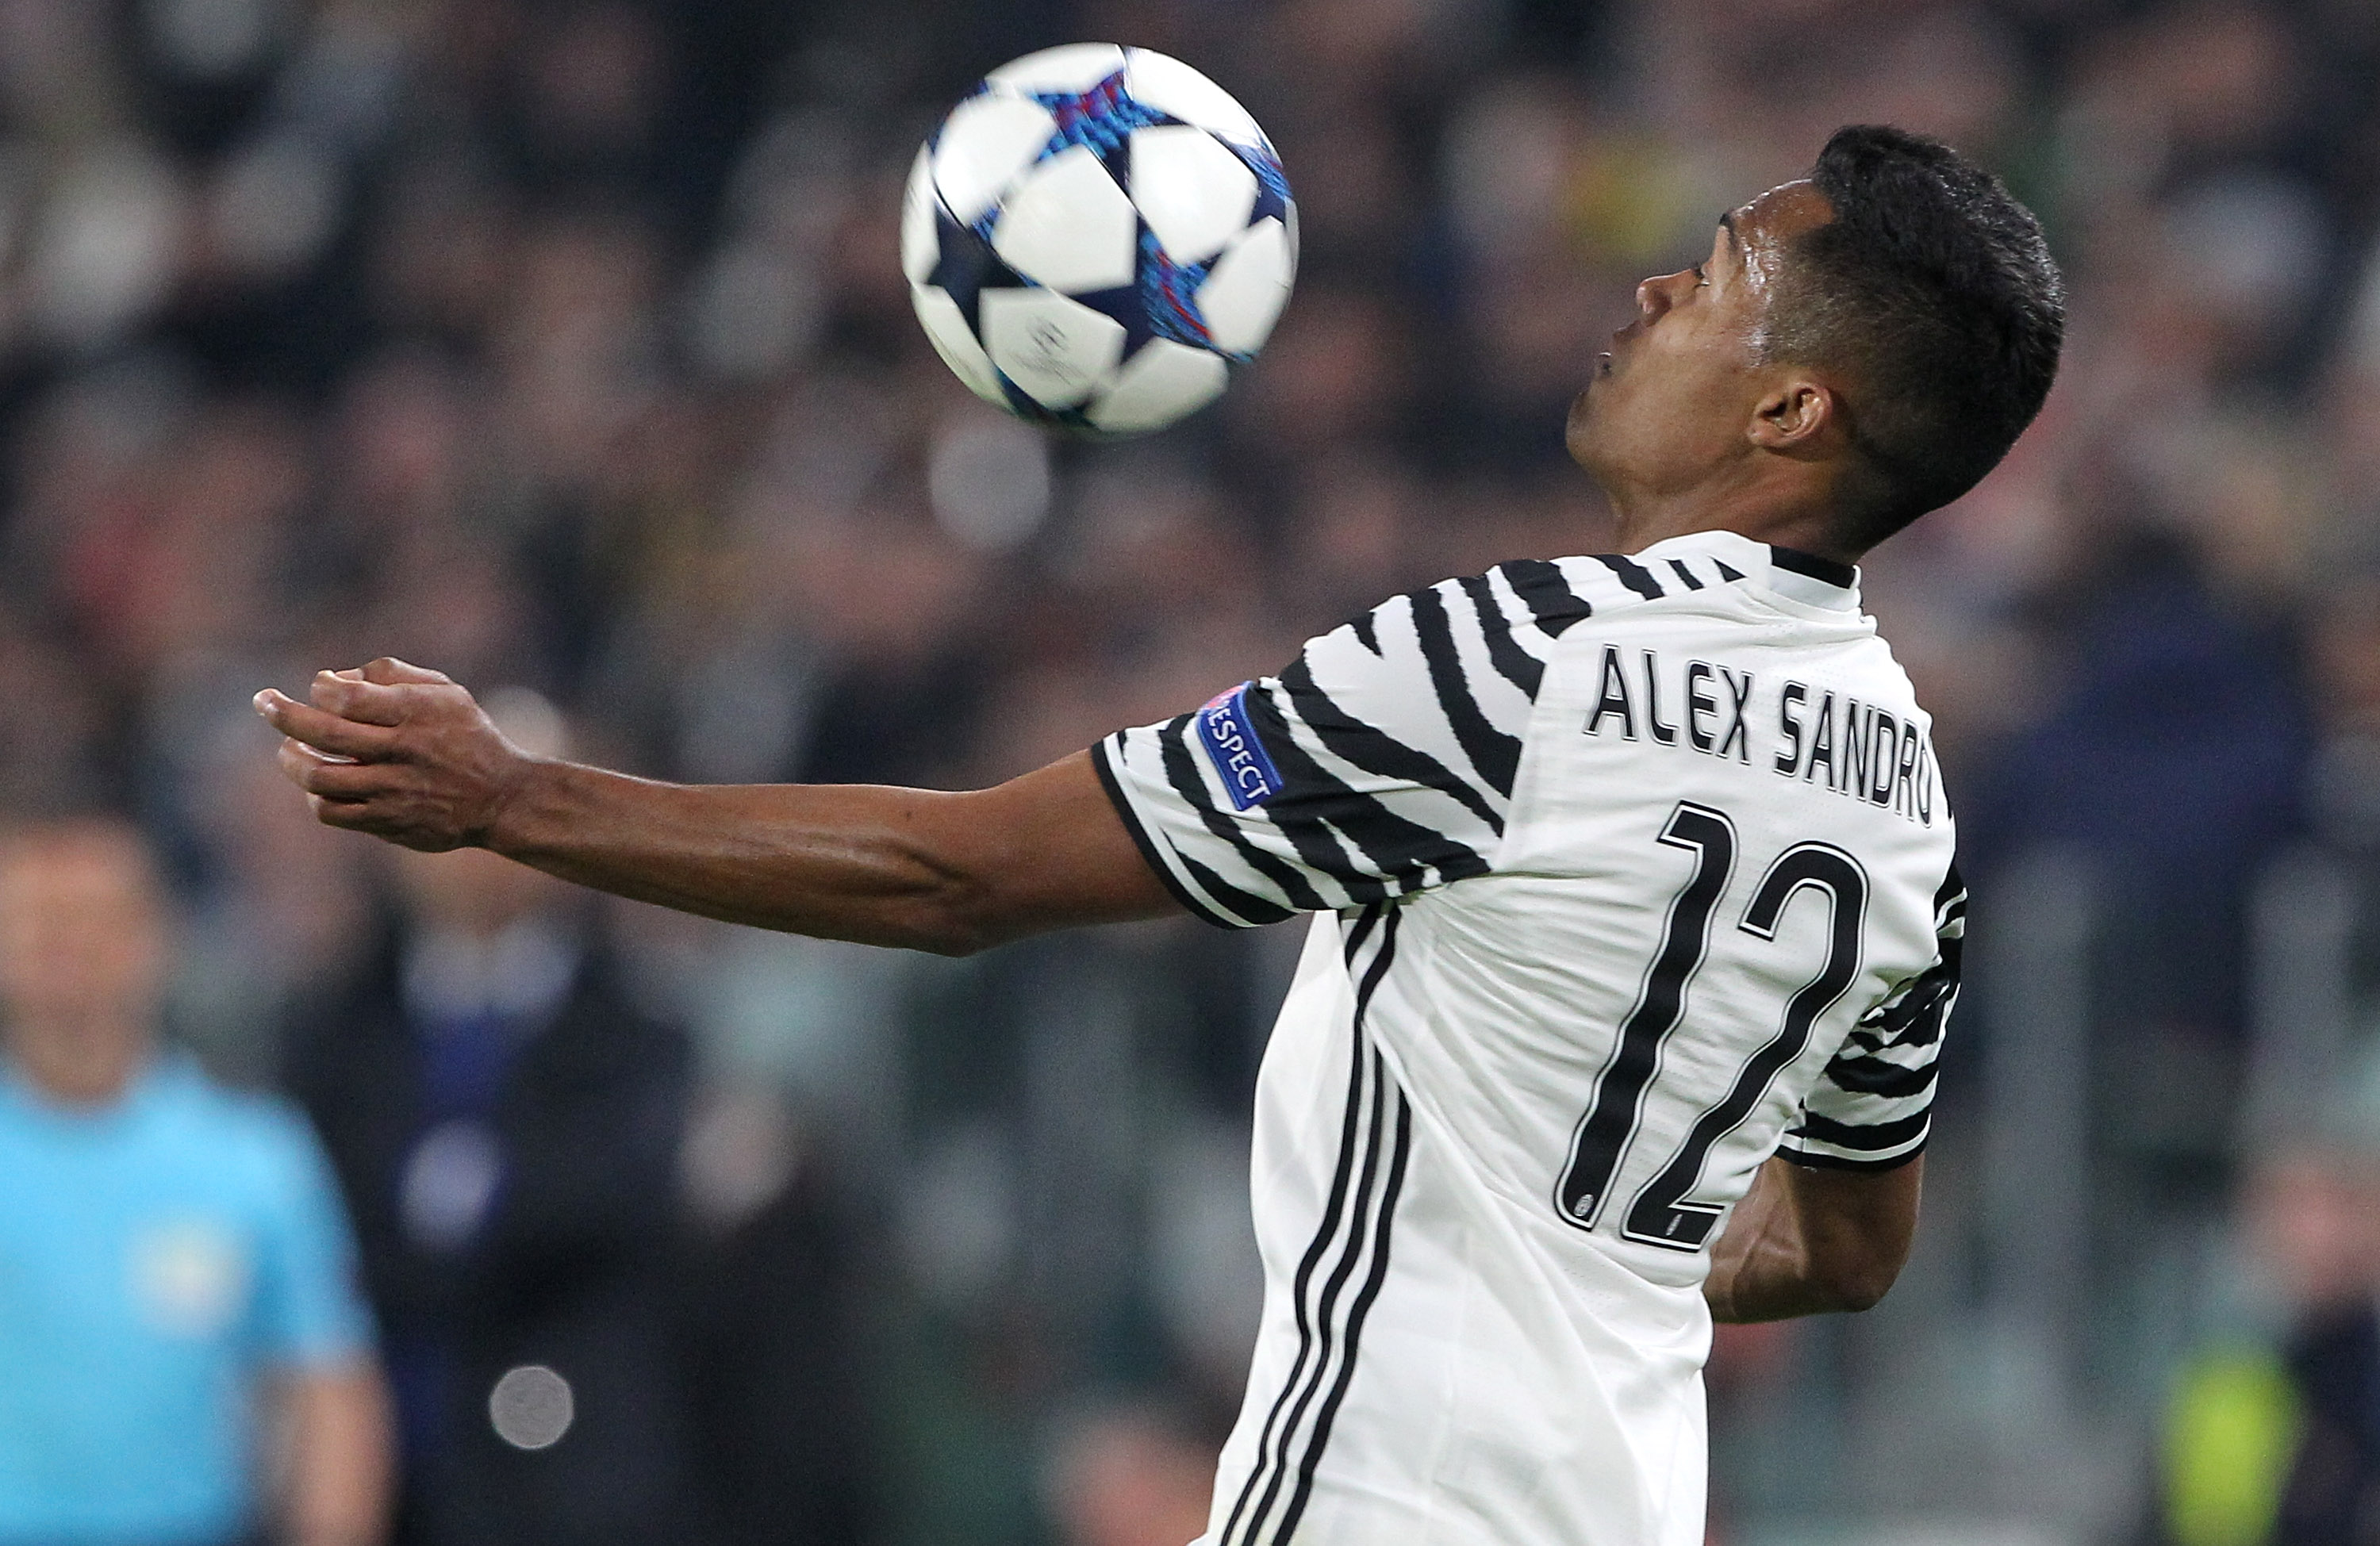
x: 1231, y: 744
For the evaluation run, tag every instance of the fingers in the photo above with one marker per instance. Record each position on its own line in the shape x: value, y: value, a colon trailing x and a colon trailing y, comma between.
x: 325, y: 731
x: 389, y: 671
x: 393, y: 750
x: 353, y: 698
x: 311, y: 772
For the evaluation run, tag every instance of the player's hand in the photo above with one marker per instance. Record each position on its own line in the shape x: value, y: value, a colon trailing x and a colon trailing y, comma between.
x: 398, y: 751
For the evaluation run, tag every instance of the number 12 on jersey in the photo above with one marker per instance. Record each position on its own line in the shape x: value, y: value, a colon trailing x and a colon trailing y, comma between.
x: 1660, y: 1214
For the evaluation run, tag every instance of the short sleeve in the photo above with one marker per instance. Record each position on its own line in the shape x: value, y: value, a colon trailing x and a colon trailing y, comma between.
x: 1873, y: 1107
x: 308, y: 1309
x: 1377, y: 763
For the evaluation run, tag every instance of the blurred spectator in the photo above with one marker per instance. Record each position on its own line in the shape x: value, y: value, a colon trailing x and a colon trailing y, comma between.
x: 784, y: 1443
x: 1131, y: 1476
x: 2333, y: 1495
x: 507, y: 1127
x: 2276, y: 1441
x: 186, y: 1359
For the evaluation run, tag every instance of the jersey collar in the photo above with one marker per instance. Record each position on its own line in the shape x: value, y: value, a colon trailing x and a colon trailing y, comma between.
x: 1796, y: 575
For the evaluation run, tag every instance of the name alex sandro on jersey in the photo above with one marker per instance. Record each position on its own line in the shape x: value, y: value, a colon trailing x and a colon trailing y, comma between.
x: 1823, y: 738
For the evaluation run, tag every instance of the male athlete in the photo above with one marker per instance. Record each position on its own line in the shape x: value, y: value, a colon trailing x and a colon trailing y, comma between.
x: 1635, y: 923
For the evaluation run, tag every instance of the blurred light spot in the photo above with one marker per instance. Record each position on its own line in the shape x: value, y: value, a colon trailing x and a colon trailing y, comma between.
x: 738, y: 1157
x: 958, y: 1224
x: 213, y: 38
x: 2255, y: 244
x: 276, y: 205
x: 752, y: 313
x: 531, y: 1407
x: 103, y: 254
x: 448, y: 1182
x: 527, y: 719
x: 192, y: 1275
x: 989, y: 481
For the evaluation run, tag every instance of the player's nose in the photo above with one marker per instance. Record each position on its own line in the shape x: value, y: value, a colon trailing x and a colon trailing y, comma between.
x: 1653, y: 296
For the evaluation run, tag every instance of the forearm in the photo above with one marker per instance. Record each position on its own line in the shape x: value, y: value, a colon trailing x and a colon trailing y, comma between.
x: 844, y: 862
x: 338, y: 1467
x: 407, y: 754
x: 1760, y: 1269
x: 1812, y: 1242
x: 922, y: 869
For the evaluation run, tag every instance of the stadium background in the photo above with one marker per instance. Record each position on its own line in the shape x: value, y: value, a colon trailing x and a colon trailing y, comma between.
x: 561, y: 343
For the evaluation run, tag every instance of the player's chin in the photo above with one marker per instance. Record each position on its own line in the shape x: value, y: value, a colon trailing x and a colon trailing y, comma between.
x: 1578, y: 430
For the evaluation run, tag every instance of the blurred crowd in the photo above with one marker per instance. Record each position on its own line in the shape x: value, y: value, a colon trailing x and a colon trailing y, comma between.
x: 561, y: 345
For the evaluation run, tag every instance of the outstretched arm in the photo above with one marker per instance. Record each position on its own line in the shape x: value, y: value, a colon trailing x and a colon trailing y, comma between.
x: 1805, y: 1241
x: 407, y: 755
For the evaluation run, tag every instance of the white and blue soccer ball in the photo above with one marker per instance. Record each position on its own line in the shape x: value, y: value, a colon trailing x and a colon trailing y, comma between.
x: 1097, y: 236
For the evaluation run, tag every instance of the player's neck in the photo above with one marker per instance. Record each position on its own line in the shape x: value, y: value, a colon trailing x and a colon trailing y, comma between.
x: 1762, y: 514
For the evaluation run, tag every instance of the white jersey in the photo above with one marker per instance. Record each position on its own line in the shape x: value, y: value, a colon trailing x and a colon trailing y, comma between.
x: 1630, y: 873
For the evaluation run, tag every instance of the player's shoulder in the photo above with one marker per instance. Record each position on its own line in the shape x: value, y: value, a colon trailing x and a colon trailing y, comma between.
x: 1544, y: 596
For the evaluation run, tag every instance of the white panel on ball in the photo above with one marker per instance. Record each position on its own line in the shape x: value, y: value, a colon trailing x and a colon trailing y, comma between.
x: 946, y: 328
x: 1164, y: 382
x: 1069, y: 68
x: 1067, y: 225
x: 1192, y: 191
x: 1171, y: 87
x: 1247, y: 289
x: 1057, y: 351
x: 921, y: 249
x: 986, y: 142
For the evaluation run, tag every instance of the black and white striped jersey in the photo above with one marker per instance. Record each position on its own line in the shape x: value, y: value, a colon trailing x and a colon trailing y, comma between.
x: 1629, y: 873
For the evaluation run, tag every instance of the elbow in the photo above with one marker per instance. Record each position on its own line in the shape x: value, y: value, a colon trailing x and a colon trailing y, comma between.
x: 951, y: 942
x: 1860, y: 1283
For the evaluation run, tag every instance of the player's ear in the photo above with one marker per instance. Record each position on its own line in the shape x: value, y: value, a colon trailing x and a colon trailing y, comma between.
x: 1793, y: 415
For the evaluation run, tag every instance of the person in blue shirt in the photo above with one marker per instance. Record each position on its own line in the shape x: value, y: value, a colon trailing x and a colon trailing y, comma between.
x: 184, y: 1358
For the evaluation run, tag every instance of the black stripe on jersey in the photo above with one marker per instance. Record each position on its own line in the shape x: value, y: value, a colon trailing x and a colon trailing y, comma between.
x: 1874, y: 1076
x: 1313, y: 810
x: 1841, y: 575
x: 1513, y: 663
x: 1843, y: 1135
x: 1373, y: 750
x: 1330, y: 1341
x: 1141, y: 840
x: 1495, y: 756
x: 1686, y: 573
x: 1634, y: 575
x: 1916, y: 1017
x: 1539, y: 585
x: 1725, y: 572
x: 1251, y: 908
x: 1950, y: 900
x: 1813, y: 1159
x: 1334, y: 1217
x: 1182, y: 772
x: 1370, y: 1292
x: 1366, y: 633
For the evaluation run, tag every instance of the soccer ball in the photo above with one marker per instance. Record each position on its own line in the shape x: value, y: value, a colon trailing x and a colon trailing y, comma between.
x: 1096, y: 236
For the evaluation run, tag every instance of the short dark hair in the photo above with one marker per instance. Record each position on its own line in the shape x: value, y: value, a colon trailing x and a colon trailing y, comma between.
x: 1932, y: 288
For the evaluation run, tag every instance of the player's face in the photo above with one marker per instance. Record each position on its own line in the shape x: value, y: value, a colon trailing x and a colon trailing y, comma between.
x: 1670, y: 405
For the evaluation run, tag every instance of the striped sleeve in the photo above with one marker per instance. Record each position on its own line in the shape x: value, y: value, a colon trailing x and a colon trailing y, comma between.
x: 1873, y: 1107
x: 1377, y: 763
